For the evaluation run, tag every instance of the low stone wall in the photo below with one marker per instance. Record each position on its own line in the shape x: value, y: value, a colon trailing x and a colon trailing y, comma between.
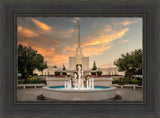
x: 134, y: 86
x: 104, y: 81
x: 55, y: 81
x: 59, y: 81
x: 24, y: 86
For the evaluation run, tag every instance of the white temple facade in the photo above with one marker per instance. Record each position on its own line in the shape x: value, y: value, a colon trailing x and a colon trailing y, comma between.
x: 79, y: 58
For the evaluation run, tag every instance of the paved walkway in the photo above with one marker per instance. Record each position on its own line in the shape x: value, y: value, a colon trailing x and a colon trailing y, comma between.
x: 127, y: 94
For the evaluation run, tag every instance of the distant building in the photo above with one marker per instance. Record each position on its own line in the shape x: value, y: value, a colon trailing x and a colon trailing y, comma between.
x: 111, y: 71
x: 48, y: 71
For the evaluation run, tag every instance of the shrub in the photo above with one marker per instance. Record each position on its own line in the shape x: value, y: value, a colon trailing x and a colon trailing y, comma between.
x: 57, y: 73
x: 135, y: 81
x: 93, y: 73
x: 126, y: 80
x: 121, y: 81
x: 31, y: 80
x: 99, y: 73
x: 64, y: 73
x: 115, y: 82
x: 21, y: 81
x: 35, y: 74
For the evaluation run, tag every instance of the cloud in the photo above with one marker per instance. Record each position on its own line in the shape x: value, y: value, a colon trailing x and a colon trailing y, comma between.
x: 52, y: 57
x: 92, y: 50
x: 56, y: 46
x: 101, y: 40
x: 106, y: 37
x: 41, y: 24
x: 75, y: 20
x: 125, y: 23
x: 56, y: 52
x: 68, y: 33
x: 49, y: 53
x: 26, y: 32
x: 52, y: 49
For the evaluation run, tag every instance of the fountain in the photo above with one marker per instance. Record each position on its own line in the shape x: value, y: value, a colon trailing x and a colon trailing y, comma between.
x: 81, y: 89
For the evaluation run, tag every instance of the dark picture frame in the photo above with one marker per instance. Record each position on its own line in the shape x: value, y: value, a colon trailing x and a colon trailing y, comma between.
x: 149, y: 10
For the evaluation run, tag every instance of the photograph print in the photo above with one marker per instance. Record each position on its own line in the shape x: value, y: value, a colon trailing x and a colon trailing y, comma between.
x: 79, y: 58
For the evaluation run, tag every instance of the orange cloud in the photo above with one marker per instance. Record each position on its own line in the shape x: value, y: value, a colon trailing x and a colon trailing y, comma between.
x: 41, y: 24
x: 26, y: 32
x: 106, y: 38
x: 125, y: 23
x: 89, y: 51
x: 52, y: 57
x: 56, y: 52
x: 95, y: 46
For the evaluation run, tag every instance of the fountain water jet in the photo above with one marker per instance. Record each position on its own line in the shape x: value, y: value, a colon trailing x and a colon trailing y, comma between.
x: 80, y: 81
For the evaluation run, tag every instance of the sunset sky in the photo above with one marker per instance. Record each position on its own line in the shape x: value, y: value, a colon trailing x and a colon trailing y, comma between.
x: 103, y: 39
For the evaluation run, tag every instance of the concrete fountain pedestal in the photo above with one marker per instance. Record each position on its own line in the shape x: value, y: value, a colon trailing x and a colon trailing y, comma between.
x: 87, y: 90
x: 80, y: 95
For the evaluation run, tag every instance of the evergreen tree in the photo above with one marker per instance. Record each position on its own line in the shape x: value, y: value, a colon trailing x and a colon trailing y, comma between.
x: 94, y: 68
x: 64, y: 68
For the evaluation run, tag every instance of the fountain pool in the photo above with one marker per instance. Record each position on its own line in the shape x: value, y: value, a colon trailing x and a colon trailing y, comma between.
x: 75, y: 94
x: 81, y: 89
x: 85, y: 88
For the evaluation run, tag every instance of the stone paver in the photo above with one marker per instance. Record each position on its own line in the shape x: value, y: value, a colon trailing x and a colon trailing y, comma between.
x: 127, y: 94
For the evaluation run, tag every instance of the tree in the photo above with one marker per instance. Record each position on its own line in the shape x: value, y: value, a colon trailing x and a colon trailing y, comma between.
x: 99, y: 73
x: 57, y: 73
x: 28, y: 60
x: 64, y: 68
x: 131, y: 63
x: 94, y: 68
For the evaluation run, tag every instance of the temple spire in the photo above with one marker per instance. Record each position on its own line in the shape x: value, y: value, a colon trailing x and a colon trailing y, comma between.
x: 78, y: 35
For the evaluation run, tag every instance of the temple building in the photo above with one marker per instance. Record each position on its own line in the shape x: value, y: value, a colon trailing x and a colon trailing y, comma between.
x: 79, y: 58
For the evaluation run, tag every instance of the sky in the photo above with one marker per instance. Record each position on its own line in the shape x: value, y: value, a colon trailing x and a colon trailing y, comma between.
x: 103, y: 39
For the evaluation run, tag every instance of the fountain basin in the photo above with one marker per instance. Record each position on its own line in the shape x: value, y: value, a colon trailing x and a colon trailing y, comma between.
x: 74, y: 94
